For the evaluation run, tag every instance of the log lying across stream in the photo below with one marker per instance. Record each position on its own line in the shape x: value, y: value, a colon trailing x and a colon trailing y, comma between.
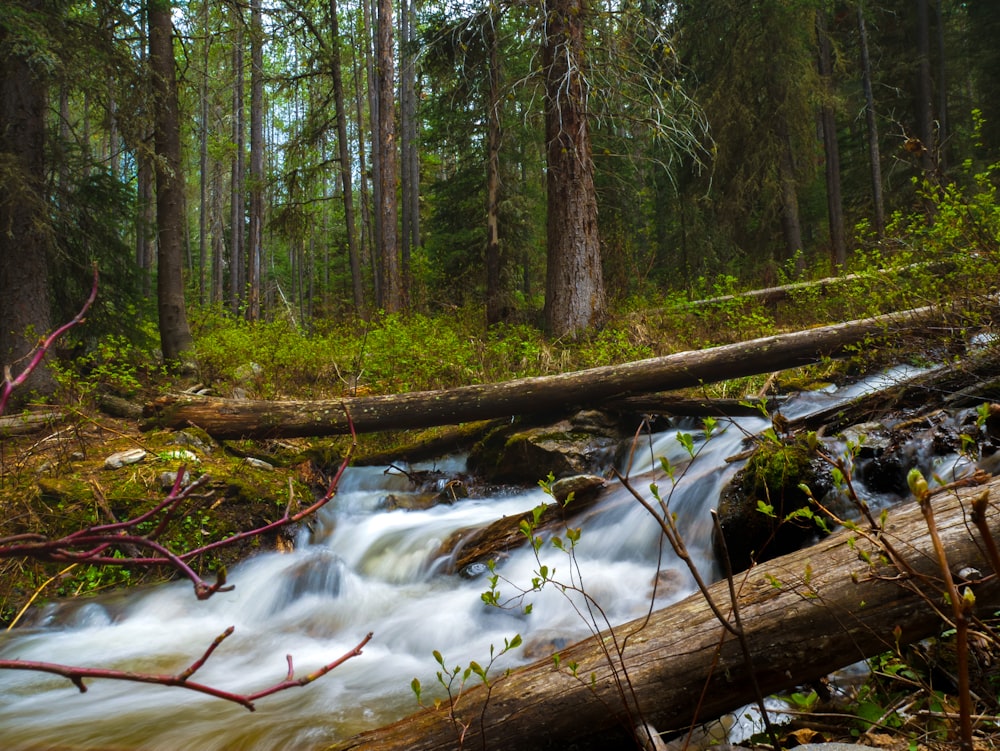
x: 228, y: 418
x: 804, y: 615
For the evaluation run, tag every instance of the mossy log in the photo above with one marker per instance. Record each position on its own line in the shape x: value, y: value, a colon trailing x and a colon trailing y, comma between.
x: 804, y: 615
x: 227, y: 418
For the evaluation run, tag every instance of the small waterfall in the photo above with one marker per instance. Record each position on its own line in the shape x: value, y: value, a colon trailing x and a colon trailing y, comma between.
x: 363, y: 569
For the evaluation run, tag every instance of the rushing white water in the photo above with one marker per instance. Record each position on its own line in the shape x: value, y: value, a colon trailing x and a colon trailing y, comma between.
x: 364, y: 570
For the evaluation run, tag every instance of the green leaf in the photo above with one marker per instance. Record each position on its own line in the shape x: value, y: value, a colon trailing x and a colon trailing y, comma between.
x: 685, y: 440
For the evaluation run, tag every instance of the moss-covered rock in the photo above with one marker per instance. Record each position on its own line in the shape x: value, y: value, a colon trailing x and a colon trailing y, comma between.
x: 754, y: 507
x: 583, y: 444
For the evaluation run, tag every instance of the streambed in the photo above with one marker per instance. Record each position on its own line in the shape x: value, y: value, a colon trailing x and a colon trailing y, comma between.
x: 363, y: 569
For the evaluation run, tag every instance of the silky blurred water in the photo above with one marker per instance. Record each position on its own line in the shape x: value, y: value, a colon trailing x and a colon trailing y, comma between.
x: 365, y: 570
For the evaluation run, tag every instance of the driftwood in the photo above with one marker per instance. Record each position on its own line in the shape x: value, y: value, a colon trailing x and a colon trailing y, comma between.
x: 226, y: 418
x: 804, y: 615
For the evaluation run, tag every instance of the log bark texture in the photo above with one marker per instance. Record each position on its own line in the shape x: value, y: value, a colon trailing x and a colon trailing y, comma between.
x: 804, y: 615
x: 22, y: 424
x: 227, y: 418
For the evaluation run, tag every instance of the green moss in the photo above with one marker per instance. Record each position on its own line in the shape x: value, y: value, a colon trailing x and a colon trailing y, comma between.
x: 777, y: 468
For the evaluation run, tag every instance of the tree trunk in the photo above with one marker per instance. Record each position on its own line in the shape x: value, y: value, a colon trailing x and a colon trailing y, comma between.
x: 943, y: 121
x: 243, y: 419
x: 574, y: 287
x: 145, y: 220
x: 803, y: 615
x: 374, y: 224
x: 344, y: 149
x: 874, y: 154
x: 175, y: 336
x: 204, y: 174
x: 831, y: 149
x: 256, y: 238
x: 237, y: 229
x: 409, y: 161
x: 413, y: 162
x: 496, y: 291
x: 24, y: 239
x: 218, y: 235
x: 390, y: 289
x: 791, y: 223
x: 925, y: 96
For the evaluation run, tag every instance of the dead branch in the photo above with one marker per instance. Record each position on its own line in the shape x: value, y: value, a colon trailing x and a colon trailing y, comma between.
x: 76, y: 675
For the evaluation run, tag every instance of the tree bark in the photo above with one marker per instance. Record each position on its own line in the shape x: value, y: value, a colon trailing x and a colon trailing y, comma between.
x: 255, y: 249
x: 791, y: 223
x: 925, y: 95
x: 344, y: 150
x: 25, y: 239
x: 175, y: 336
x: 574, y: 287
x: 874, y: 154
x: 390, y: 288
x: 237, y: 216
x: 409, y: 172
x: 367, y: 230
x: 369, y: 15
x: 496, y: 290
x: 804, y: 615
x: 204, y: 174
x: 831, y: 148
x: 225, y: 418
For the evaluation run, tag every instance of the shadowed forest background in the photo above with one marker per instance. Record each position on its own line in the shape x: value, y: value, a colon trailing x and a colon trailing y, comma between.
x: 312, y: 162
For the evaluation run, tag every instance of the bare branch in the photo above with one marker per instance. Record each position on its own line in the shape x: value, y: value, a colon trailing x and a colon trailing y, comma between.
x: 76, y: 675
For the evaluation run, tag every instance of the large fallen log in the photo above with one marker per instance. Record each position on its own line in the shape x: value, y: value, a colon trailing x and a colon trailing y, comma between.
x: 227, y: 418
x: 804, y: 615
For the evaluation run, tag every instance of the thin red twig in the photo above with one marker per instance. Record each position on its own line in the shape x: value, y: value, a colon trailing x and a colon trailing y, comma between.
x: 10, y: 382
x: 76, y: 675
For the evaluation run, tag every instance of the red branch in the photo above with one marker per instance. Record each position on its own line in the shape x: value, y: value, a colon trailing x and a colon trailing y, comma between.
x: 77, y: 675
x: 10, y: 383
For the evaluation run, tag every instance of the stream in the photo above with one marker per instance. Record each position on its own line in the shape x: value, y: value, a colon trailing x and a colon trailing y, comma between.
x: 364, y: 569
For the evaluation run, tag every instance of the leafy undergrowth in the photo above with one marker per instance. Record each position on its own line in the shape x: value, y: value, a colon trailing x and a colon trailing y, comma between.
x: 901, y: 701
x: 57, y: 482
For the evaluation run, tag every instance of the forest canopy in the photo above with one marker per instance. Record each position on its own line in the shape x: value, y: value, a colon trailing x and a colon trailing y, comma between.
x: 538, y: 163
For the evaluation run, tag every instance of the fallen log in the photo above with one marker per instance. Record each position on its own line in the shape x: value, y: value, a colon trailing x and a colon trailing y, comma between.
x: 228, y: 418
x: 28, y: 422
x: 964, y: 383
x: 819, y: 287
x: 804, y: 615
